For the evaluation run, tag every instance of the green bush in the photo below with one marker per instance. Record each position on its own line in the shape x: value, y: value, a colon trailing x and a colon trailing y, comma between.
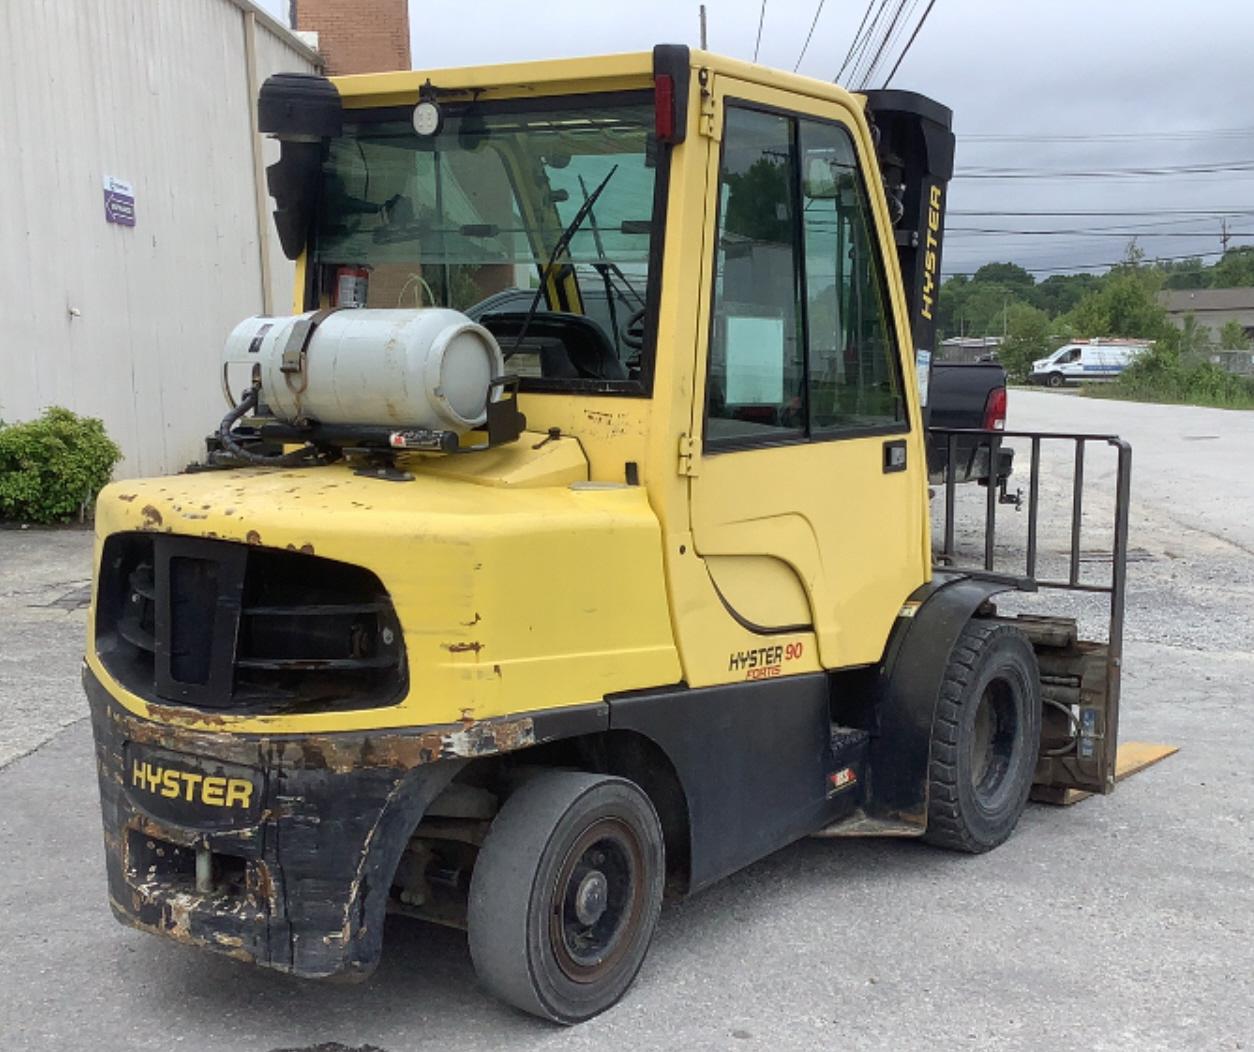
x: 53, y: 466
x: 1174, y: 371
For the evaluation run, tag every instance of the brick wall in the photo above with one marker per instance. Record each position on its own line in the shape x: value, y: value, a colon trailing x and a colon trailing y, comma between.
x: 357, y: 36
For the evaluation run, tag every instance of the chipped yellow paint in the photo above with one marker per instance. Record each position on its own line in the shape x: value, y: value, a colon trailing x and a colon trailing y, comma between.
x: 511, y: 599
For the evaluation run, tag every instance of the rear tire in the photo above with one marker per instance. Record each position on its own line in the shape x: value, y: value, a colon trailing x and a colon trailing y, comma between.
x: 985, y: 739
x: 565, y: 894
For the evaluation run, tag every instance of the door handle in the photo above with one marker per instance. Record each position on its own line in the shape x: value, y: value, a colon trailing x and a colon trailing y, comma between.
x: 894, y: 455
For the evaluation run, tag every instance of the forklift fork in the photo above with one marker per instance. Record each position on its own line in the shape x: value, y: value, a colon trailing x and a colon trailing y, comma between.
x: 1080, y: 679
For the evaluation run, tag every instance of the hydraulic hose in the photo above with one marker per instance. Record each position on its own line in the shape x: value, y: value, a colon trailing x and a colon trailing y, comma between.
x: 306, y: 456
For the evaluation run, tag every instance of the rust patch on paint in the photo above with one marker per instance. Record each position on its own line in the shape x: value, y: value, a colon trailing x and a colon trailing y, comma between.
x: 152, y: 517
x: 462, y: 648
x: 252, y: 537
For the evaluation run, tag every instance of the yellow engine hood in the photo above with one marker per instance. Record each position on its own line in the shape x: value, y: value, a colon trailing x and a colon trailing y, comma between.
x: 518, y: 584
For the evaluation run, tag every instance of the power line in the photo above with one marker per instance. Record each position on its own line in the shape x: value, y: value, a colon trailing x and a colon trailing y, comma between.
x: 854, y: 42
x: 901, y: 29
x: 863, y: 43
x: 1198, y: 166
x: 761, y: 19
x: 1168, y: 136
x: 1076, y: 268
x: 1092, y: 233
x: 884, y: 44
x: 818, y: 11
x: 866, y: 40
x: 1146, y: 226
x: 1100, y: 212
x: 1185, y: 171
x: 1123, y: 224
x: 909, y: 43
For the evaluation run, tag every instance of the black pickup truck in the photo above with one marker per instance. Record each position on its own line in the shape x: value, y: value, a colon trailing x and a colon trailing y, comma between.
x: 968, y: 396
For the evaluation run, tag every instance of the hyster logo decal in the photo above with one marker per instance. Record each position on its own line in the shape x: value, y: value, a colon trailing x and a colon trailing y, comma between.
x: 931, y: 254
x: 764, y: 662
x: 173, y: 784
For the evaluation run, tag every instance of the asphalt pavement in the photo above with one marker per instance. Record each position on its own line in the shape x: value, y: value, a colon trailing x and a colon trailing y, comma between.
x: 1122, y: 922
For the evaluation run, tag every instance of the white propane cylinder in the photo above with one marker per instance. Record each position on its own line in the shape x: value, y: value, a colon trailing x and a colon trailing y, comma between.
x: 425, y: 368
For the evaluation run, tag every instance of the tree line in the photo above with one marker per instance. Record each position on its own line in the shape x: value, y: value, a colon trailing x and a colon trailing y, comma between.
x: 1036, y: 317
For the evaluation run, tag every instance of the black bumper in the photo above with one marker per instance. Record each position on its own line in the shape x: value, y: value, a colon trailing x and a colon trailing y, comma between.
x: 298, y: 837
x: 971, y: 460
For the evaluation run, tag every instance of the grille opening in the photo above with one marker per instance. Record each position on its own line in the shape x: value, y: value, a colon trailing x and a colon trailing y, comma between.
x: 245, y: 628
x: 193, y: 595
x: 313, y: 637
x: 230, y: 873
x: 126, y: 609
x: 153, y: 858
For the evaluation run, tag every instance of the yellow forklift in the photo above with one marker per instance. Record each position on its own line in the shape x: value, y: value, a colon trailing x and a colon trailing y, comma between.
x: 568, y: 547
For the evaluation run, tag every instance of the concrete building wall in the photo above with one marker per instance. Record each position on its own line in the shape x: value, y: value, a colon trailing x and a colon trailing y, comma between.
x: 127, y: 323
x: 357, y: 36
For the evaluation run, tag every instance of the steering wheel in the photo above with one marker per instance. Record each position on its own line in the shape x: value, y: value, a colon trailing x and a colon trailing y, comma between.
x: 632, y: 330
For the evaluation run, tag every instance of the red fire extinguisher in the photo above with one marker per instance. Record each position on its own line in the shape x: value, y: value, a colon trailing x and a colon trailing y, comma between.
x: 351, y: 284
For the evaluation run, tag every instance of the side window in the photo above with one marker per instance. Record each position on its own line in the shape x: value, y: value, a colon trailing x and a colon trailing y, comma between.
x: 757, y: 369
x: 855, y: 380
x: 802, y: 343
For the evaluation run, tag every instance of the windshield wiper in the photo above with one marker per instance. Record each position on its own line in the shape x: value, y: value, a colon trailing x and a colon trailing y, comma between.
x: 602, y: 268
x: 562, y: 242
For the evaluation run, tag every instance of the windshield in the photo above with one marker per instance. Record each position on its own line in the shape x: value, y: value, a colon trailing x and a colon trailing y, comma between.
x: 468, y: 218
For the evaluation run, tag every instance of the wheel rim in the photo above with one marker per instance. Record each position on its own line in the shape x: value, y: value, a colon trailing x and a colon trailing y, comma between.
x: 597, y: 904
x: 993, y: 741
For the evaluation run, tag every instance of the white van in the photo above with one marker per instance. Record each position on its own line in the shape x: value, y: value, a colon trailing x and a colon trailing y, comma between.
x: 1086, y: 360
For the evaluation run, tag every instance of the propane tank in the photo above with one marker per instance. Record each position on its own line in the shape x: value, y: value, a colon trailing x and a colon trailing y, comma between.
x: 427, y: 368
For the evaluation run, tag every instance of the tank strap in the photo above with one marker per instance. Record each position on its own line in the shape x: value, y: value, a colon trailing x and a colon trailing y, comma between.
x: 294, y: 352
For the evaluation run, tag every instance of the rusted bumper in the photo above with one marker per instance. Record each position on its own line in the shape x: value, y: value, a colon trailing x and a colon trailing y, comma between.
x: 297, y: 838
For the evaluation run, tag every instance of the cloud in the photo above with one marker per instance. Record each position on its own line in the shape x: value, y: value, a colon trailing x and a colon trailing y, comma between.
x: 1063, y: 67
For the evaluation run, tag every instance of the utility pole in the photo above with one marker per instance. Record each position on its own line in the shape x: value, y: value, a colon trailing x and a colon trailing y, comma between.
x: 1224, y: 236
x: 703, y: 40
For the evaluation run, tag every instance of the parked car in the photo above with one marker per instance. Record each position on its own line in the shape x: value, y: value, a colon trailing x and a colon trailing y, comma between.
x: 1086, y: 360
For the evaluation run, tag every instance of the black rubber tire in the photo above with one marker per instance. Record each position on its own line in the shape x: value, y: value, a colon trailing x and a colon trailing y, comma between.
x: 985, y: 739
x: 1055, y: 379
x: 514, y: 896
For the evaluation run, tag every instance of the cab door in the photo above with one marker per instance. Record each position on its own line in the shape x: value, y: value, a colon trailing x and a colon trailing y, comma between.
x: 808, y: 501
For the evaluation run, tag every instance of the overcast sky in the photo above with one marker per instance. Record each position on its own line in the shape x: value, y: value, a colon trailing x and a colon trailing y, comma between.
x: 1159, y: 75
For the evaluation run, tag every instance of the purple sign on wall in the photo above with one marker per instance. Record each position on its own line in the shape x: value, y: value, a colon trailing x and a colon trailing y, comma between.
x: 119, y: 198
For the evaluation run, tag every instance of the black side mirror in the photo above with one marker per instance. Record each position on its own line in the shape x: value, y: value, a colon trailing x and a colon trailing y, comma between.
x: 303, y: 111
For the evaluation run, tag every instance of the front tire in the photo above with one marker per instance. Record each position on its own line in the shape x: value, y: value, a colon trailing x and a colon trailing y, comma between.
x: 1055, y: 379
x: 565, y: 894
x: 985, y: 739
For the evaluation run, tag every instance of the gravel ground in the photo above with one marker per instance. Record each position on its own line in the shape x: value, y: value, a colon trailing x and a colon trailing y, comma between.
x: 1124, y: 922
